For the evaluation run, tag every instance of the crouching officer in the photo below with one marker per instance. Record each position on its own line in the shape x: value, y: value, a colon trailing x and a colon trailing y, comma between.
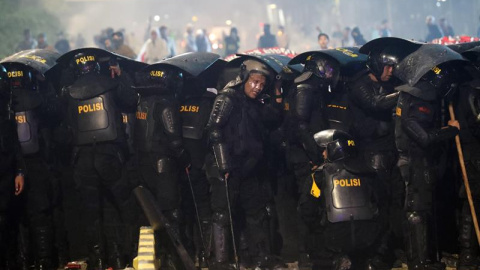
x: 160, y: 155
x: 340, y: 204
x: 95, y: 103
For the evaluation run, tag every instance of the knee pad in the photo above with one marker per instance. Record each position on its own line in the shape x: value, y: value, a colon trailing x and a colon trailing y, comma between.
x: 221, y: 219
x: 414, y: 218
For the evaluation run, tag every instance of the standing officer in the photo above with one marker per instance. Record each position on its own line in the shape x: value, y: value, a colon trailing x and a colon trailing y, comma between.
x: 417, y: 132
x: 12, y: 168
x: 94, y: 110
x: 160, y: 155
x: 237, y: 135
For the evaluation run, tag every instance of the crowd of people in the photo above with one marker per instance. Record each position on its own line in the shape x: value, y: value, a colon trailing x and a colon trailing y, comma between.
x: 357, y: 132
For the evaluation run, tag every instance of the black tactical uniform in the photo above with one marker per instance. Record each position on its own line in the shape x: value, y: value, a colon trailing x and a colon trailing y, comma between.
x: 160, y: 155
x: 94, y: 110
x: 11, y: 164
x: 308, y: 116
x: 194, y: 111
x: 340, y: 204
x: 236, y: 133
x: 467, y: 113
x: 417, y: 133
x: 35, y: 116
x: 372, y: 103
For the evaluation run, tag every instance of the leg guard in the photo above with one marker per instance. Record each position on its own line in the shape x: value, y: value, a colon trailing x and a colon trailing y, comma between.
x: 43, y: 237
x: 221, y: 232
x: 467, y: 242
x: 416, y: 239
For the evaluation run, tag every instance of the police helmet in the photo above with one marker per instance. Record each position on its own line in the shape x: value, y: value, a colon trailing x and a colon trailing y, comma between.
x: 84, y: 63
x: 377, y: 61
x: 3, y: 78
x: 339, y: 144
x: 165, y: 79
x: 252, y: 66
x: 323, y: 68
x: 20, y: 77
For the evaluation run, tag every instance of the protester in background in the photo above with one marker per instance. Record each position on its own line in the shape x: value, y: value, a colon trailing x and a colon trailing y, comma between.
x: 384, y: 30
x: 434, y: 31
x: 446, y: 27
x: 155, y: 49
x: 42, y: 42
x: 282, y: 37
x: 27, y: 43
x: 358, y: 37
x: 232, y: 42
x: 170, y: 42
x: 323, y: 41
x: 190, y: 44
x: 267, y: 40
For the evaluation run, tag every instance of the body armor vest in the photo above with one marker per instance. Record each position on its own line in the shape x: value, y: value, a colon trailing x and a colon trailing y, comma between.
x: 348, y: 196
x: 195, y: 113
x: 96, y: 120
x: 27, y: 130
x: 149, y: 133
x: 338, y: 111
x: 423, y: 113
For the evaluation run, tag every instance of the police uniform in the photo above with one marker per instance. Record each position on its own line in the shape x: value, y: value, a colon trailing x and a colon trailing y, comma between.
x: 340, y: 204
x: 95, y: 103
x: 237, y: 133
x: 416, y: 134
x: 372, y: 105
x: 194, y: 112
x: 467, y: 112
x: 35, y: 117
x: 11, y: 164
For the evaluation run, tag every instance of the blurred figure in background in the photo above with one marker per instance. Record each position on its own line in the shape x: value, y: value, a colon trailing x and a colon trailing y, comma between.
x: 42, y: 42
x: 434, y: 30
x: 190, y: 44
x: 155, y: 49
x: 358, y: 37
x: 79, y: 41
x: 232, y: 42
x: 170, y: 42
x: 346, y: 40
x: 323, y: 41
x: 267, y: 40
x: 446, y: 27
x: 201, y: 39
x: 118, y: 46
x: 62, y: 46
x: 384, y: 30
x: 27, y: 43
x: 282, y: 37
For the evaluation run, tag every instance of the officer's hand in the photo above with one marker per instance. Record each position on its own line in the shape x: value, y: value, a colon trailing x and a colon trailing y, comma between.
x: 314, y: 167
x: 19, y: 184
x: 454, y: 123
x: 115, y: 70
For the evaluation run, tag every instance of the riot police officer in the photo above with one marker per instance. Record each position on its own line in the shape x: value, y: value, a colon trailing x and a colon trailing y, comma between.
x: 35, y: 117
x: 307, y: 116
x: 94, y: 107
x: 340, y: 205
x: 416, y: 134
x: 195, y: 110
x: 12, y: 169
x: 160, y: 155
x: 236, y: 133
x: 372, y: 99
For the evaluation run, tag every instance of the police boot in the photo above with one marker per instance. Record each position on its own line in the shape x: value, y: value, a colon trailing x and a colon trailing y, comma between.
x: 417, y: 243
x: 43, y: 243
x: 468, y: 259
x: 115, y: 258
x: 96, y: 259
x: 221, y: 246
x: 205, y: 248
x: 171, y: 259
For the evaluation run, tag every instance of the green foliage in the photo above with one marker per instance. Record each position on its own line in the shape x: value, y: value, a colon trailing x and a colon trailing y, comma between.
x: 17, y: 15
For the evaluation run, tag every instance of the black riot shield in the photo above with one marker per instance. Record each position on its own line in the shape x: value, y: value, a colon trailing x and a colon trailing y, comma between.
x: 428, y: 57
x: 472, y: 54
x: 105, y: 58
x: 193, y: 63
x: 463, y: 47
x: 347, y: 196
x: 40, y: 60
x: 159, y: 222
x: 379, y: 44
x: 279, y: 63
x: 351, y: 61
